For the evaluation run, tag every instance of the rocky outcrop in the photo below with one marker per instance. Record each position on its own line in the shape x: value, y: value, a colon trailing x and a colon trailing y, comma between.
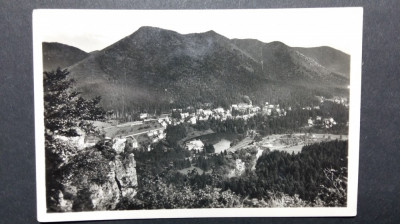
x: 239, y: 168
x: 119, y: 145
x: 98, y: 178
x: 125, y: 175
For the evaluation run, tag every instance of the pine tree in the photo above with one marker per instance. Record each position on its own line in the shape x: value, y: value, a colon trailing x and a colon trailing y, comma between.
x: 64, y: 111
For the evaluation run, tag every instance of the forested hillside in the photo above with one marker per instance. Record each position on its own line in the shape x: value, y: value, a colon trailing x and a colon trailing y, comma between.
x: 154, y: 70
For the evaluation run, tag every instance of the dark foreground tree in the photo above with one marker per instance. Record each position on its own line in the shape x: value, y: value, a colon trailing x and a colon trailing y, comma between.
x: 64, y: 113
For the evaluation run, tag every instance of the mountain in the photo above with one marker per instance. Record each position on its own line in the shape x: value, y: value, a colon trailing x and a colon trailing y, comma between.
x: 155, y: 69
x: 60, y: 55
x: 328, y: 57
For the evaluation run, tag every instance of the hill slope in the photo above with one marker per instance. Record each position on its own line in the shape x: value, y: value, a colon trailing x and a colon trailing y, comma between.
x: 155, y: 69
x: 60, y: 55
x: 330, y: 58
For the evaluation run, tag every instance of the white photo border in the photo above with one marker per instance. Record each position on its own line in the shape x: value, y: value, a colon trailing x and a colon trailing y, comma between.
x: 355, y: 37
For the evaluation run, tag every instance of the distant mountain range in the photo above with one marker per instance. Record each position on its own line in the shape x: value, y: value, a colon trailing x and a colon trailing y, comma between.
x: 155, y: 69
x: 60, y: 55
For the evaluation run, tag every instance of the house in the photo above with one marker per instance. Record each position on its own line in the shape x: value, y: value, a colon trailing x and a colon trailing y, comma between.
x: 192, y: 120
x: 310, y: 122
x: 203, y: 118
x: 162, y: 135
x: 329, y: 122
x: 184, y: 115
x: 132, y: 141
x: 219, y: 110
x: 207, y: 112
x: 255, y: 109
x: 151, y: 133
x: 243, y: 106
x: 143, y: 116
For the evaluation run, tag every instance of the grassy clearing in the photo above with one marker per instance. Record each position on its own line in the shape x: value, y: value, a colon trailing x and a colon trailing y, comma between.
x: 130, y: 128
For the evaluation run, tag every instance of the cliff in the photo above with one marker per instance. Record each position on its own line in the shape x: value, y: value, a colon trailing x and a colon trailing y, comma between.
x: 97, y: 178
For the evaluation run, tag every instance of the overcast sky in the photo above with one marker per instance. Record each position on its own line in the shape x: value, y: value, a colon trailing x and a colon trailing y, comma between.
x: 92, y: 30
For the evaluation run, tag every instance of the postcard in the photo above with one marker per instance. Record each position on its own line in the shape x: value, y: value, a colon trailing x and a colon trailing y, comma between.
x: 144, y: 114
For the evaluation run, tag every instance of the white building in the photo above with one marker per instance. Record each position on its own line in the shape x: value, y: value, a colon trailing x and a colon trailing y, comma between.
x: 207, y: 112
x: 310, y: 122
x: 134, y: 142
x: 192, y: 120
x: 143, y: 115
x: 219, y: 110
x: 184, y: 115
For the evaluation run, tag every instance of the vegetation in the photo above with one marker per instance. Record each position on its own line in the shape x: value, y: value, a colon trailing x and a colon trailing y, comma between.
x: 305, y: 173
x: 155, y: 78
x: 294, y: 121
x: 65, y: 112
x: 315, y: 177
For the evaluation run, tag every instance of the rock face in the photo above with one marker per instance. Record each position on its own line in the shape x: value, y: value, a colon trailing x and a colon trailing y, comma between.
x: 124, y: 170
x: 239, y: 168
x: 119, y: 145
x: 98, y: 179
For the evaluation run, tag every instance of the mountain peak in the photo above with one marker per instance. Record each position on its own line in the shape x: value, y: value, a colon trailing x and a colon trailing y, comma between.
x: 149, y: 28
x: 277, y: 44
x: 211, y: 32
x: 133, y: 73
x: 153, y: 30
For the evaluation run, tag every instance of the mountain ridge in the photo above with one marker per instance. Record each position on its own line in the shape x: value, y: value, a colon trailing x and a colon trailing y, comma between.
x: 158, y: 69
x: 60, y: 55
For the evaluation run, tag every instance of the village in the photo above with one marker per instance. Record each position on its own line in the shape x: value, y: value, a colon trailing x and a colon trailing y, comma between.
x: 150, y: 128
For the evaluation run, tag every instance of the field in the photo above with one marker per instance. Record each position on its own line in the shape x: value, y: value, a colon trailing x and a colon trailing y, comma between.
x: 130, y: 128
x: 295, y: 142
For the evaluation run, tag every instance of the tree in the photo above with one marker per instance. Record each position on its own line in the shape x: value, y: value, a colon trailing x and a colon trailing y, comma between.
x: 175, y: 133
x: 64, y: 112
x: 64, y: 109
x: 209, y: 148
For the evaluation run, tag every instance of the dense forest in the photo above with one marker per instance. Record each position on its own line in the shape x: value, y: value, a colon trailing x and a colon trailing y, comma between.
x: 315, y: 177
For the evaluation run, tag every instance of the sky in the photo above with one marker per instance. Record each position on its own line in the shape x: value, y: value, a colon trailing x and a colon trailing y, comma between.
x: 92, y: 30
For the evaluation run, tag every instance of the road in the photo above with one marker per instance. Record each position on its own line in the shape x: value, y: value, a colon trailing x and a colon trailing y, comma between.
x: 143, y: 132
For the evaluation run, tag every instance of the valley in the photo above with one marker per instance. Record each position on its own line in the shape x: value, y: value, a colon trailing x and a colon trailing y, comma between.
x: 163, y: 120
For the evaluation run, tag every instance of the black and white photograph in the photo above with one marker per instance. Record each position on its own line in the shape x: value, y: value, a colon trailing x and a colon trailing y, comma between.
x: 196, y: 113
